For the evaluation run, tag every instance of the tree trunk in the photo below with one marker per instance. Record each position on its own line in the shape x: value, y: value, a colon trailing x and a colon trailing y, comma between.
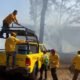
x: 42, y: 20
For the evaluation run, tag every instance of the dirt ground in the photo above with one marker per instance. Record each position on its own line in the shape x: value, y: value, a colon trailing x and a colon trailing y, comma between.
x: 63, y: 74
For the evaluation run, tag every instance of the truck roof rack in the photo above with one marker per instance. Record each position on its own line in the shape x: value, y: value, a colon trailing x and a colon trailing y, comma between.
x: 27, y: 33
x: 22, y: 31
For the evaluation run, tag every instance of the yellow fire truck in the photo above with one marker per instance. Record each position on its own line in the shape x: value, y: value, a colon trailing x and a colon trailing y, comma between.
x: 28, y: 56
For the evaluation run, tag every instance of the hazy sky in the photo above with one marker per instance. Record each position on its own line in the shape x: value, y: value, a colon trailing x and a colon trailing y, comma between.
x: 52, y: 21
x: 7, y: 6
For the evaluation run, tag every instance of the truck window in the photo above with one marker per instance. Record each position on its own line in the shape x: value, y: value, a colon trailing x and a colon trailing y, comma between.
x: 25, y: 49
x: 42, y: 47
x: 33, y: 48
x: 22, y: 49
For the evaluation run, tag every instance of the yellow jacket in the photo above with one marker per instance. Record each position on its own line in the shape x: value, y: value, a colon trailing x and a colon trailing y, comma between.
x: 54, y: 61
x: 11, y: 42
x: 10, y: 18
x: 76, y: 62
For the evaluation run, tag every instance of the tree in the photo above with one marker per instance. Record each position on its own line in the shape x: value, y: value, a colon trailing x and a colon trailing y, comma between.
x: 38, y: 10
x: 68, y: 12
x: 42, y: 20
x: 62, y: 12
x: 35, y: 13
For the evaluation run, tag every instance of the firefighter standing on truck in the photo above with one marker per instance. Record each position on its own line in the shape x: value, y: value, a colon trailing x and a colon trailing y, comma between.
x: 10, y: 46
x: 6, y: 23
x: 76, y: 64
x: 54, y: 63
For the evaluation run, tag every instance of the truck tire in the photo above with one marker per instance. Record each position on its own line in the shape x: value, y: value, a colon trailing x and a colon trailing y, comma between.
x: 2, y: 72
x: 17, y: 74
x: 34, y: 73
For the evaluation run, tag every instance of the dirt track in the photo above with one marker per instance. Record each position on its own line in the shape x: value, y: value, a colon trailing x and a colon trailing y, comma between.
x: 63, y: 74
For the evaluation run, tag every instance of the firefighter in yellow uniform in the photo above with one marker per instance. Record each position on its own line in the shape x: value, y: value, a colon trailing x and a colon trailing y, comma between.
x: 7, y: 21
x: 76, y: 63
x: 10, y: 46
x: 54, y: 63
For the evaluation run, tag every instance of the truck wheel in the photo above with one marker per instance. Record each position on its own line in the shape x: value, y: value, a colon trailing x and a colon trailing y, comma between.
x: 35, y: 72
x: 2, y: 72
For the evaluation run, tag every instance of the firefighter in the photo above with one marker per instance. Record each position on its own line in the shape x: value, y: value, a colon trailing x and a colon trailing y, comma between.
x: 76, y: 63
x: 54, y: 63
x: 6, y: 23
x: 44, y: 67
x: 10, y: 46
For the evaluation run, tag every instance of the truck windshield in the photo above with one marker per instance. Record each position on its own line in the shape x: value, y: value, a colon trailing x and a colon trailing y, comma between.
x: 33, y: 48
x: 43, y: 48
